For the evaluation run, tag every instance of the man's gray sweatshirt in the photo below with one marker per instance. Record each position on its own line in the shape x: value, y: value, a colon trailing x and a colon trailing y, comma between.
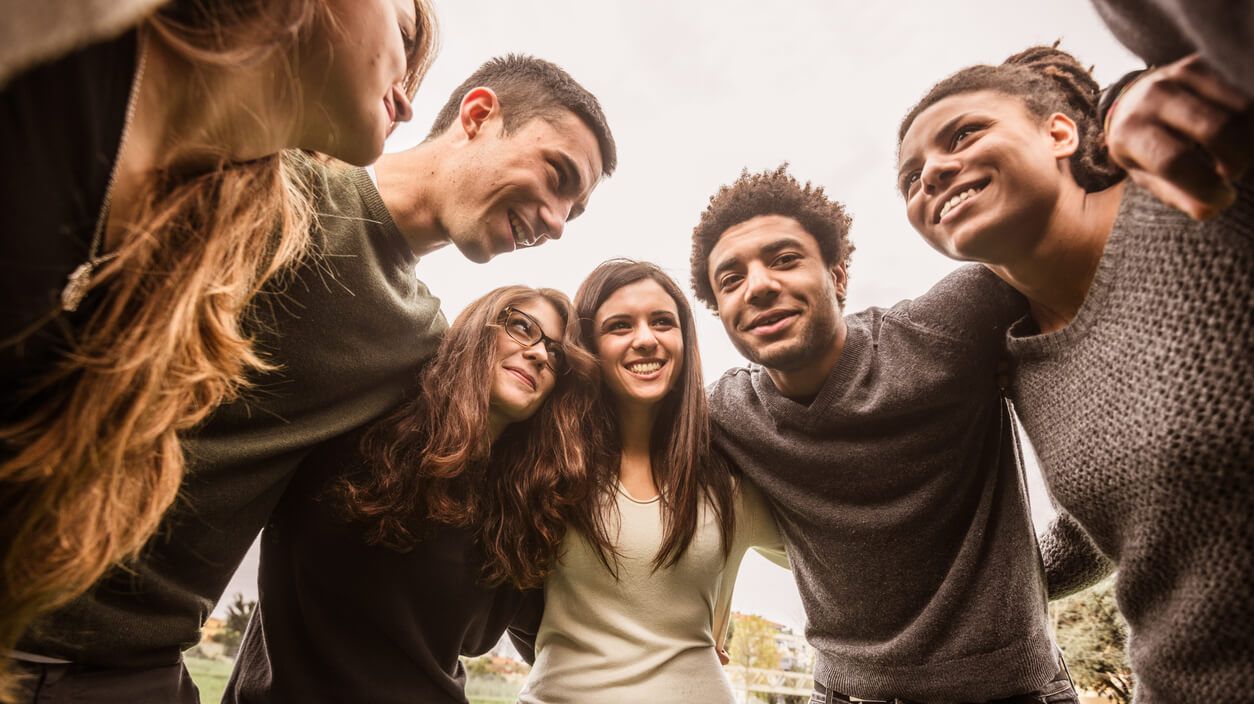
x: 900, y: 493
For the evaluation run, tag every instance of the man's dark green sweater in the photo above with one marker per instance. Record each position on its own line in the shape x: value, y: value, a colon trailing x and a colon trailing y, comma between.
x: 348, y: 332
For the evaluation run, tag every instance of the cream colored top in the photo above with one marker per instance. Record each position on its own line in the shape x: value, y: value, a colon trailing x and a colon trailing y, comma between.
x: 649, y: 636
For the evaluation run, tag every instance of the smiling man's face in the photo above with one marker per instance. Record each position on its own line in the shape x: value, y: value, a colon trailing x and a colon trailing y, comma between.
x: 778, y: 300
x: 519, y: 189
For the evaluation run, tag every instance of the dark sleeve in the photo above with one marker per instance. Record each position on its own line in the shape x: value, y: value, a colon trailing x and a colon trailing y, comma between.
x: 1072, y: 562
x: 970, y: 305
x: 526, y: 624
x: 1162, y: 31
x: 60, y: 127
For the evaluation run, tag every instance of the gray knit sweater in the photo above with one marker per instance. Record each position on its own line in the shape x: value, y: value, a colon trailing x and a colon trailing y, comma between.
x: 1142, y: 413
x: 899, y: 492
x: 1161, y: 31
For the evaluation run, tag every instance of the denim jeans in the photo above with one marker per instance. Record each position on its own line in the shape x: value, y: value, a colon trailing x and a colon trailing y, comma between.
x: 1059, y: 690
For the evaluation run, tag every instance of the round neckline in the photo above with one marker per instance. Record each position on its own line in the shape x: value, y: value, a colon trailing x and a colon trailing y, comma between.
x: 643, y: 502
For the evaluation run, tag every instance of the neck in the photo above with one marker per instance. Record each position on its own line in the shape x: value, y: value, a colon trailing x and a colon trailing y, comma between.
x: 412, y: 208
x: 1055, y: 275
x: 802, y: 384
x: 232, y: 114
x: 635, y: 435
x: 497, y: 424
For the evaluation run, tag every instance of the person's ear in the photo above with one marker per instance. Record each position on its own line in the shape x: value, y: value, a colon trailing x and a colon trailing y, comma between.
x: 478, y: 107
x: 1064, y: 134
x: 840, y: 279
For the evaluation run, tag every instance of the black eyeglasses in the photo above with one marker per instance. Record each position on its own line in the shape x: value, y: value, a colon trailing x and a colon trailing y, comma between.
x: 526, y: 331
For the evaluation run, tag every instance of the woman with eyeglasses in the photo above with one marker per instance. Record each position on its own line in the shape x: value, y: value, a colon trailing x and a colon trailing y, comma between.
x: 424, y: 537
x: 640, y: 600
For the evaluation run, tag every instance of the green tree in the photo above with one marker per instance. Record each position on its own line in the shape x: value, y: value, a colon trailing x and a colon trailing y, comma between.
x: 237, y: 616
x: 752, y: 645
x: 1094, y: 639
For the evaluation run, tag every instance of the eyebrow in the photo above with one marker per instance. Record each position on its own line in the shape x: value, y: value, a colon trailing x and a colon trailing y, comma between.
x: 659, y: 311
x: 769, y: 248
x: 952, y: 123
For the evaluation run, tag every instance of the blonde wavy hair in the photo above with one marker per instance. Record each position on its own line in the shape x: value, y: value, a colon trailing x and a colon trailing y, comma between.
x: 88, y: 475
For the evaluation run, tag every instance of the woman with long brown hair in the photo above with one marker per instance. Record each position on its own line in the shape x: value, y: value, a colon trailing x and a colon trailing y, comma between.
x: 425, y: 537
x: 640, y: 601
x: 159, y: 182
x: 1132, y: 370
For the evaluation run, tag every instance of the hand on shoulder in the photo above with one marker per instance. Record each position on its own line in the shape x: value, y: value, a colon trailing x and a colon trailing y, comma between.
x: 1184, y: 134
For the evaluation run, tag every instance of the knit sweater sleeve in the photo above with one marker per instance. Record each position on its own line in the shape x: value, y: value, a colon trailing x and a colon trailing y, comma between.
x: 1072, y: 562
x: 1161, y: 31
x: 970, y: 306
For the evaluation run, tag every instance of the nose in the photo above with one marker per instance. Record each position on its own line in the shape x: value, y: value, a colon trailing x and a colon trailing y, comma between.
x: 553, y: 216
x: 760, y: 286
x: 643, y: 339
x: 404, y: 111
x: 938, y: 171
x: 537, y: 354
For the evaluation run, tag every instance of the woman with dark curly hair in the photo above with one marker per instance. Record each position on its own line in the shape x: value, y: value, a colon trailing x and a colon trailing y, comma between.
x: 1133, y: 374
x: 426, y: 536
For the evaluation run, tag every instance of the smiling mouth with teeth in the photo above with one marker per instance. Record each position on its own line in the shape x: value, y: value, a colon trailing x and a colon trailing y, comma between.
x: 644, y: 367
x: 958, y: 199
x: 521, y: 238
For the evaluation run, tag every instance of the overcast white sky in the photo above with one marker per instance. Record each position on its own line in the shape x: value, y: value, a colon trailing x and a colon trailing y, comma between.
x: 696, y: 90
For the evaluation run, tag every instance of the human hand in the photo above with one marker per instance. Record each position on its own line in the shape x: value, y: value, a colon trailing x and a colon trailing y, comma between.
x: 723, y: 657
x: 1183, y: 134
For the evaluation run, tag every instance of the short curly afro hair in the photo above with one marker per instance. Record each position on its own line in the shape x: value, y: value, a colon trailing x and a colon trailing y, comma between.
x: 772, y: 192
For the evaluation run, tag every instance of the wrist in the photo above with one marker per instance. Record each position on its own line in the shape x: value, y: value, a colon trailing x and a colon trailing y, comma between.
x: 1111, y: 94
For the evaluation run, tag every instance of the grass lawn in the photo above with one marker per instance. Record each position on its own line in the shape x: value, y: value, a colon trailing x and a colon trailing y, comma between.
x: 210, y: 677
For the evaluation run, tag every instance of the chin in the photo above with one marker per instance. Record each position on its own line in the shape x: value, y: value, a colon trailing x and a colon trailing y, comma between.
x: 358, y: 154
x: 783, y: 354
x: 473, y: 250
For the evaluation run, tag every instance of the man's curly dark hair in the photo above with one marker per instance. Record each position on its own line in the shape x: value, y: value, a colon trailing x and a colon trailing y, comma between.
x: 773, y: 192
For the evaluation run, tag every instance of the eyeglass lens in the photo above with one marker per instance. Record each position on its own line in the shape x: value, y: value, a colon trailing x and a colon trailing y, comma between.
x: 526, y: 331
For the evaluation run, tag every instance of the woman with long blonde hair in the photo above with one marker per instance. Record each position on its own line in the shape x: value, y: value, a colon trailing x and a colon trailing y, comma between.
x: 160, y: 180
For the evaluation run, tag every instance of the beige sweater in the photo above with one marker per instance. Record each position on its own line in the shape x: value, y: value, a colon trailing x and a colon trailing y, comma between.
x: 649, y: 636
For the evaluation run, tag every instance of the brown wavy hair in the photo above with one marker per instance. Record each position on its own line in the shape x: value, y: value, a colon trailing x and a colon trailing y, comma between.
x: 686, y: 469
x: 88, y: 474
x: 1047, y: 80
x: 432, y: 459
